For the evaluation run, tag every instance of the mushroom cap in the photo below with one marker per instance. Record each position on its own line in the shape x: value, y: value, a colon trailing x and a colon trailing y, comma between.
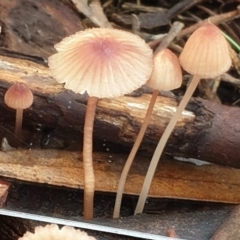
x: 206, y: 52
x: 52, y: 232
x: 18, y: 96
x: 166, y: 74
x: 104, y: 62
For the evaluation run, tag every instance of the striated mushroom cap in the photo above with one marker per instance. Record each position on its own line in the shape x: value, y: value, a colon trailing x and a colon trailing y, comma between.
x: 18, y: 96
x: 104, y: 62
x: 52, y: 232
x: 167, y: 74
x: 206, y: 52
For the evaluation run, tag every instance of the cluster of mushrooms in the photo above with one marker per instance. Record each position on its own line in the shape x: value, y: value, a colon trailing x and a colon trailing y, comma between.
x: 109, y: 63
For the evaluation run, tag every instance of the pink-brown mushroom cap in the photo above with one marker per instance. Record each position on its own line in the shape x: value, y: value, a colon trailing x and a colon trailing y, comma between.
x: 206, y: 52
x: 104, y: 62
x: 166, y: 74
x: 52, y: 232
x: 18, y: 96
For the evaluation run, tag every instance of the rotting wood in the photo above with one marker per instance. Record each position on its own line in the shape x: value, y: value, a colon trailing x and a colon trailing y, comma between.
x: 173, y: 179
x: 206, y: 131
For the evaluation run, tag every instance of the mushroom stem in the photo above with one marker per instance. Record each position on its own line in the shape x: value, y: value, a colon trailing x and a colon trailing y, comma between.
x: 18, y: 125
x: 132, y: 154
x: 89, y: 179
x: 161, y: 144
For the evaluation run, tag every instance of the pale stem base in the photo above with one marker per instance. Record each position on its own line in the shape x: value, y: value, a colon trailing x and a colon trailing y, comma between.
x: 89, y: 179
x: 132, y: 154
x: 161, y: 144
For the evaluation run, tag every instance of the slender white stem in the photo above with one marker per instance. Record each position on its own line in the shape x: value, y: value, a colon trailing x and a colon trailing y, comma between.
x: 89, y: 179
x: 132, y: 154
x: 18, y: 125
x: 161, y: 144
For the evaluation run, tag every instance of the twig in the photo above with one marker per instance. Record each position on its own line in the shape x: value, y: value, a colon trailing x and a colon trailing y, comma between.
x: 97, y: 11
x: 135, y: 24
x: 94, y: 12
x: 181, y: 7
x: 235, y: 59
x: 134, y: 6
x: 228, y: 78
x: 174, y: 31
x: 227, y: 28
x: 217, y: 19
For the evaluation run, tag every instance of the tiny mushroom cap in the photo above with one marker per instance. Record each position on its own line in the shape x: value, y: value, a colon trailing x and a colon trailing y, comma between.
x: 206, y: 53
x: 52, y: 232
x: 166, y: 74
x: 102, y: 61
x: 18, y: 96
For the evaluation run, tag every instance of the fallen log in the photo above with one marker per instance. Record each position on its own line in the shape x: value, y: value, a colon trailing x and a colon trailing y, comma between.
x: 173, y: 179
x: 206, y: 131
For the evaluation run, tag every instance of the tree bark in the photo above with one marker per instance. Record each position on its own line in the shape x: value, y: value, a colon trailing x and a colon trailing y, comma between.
x: 34, y: 27
x: 206, y: 131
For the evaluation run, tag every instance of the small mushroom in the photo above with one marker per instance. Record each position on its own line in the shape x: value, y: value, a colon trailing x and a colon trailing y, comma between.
x: 18, y: 97
x: 166, y: 75
x: 52, y: 232
x: 205, y: 55
x: 104, y: 63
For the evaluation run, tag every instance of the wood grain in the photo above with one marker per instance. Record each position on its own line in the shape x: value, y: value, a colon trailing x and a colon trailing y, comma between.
x: 173, y: 179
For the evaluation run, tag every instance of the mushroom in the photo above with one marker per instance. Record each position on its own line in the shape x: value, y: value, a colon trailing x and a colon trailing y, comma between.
x: 52, y: 232
x: 104, y: 63
x: 166, y: 75
x: 18, y: 97
x: 205, y: 55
